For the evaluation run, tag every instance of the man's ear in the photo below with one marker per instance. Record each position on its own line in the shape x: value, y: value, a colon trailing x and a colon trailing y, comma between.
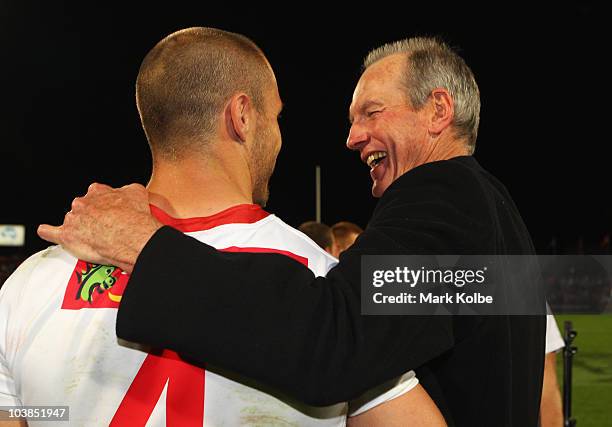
x: 443, y: 111
x: 239, y: 117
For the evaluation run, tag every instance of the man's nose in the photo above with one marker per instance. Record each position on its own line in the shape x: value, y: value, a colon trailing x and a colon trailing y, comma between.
x: 357, y: 137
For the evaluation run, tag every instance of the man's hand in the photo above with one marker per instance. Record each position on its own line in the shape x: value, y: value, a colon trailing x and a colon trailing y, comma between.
x: 106, y: 226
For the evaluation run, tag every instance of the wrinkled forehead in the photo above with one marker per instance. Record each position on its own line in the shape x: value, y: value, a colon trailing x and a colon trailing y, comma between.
x: 381, y: 82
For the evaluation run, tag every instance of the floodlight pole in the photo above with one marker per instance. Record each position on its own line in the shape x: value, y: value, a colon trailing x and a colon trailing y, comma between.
x: 318, y: 193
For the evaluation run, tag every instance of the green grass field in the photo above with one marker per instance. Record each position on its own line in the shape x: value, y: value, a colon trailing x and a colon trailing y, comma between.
x: 592, y: 374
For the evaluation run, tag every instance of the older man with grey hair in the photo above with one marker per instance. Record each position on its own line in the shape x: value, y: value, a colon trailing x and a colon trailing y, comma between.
x: 414, y: 120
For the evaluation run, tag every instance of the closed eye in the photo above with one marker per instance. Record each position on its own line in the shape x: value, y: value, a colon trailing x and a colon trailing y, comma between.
x: 372, y: 113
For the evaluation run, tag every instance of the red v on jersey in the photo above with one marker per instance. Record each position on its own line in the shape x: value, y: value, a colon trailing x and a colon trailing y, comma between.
x: 184, y: 399
x: 186, y: 383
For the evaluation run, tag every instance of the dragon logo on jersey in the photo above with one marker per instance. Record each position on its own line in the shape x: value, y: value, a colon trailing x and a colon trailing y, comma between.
x: 94, y: 286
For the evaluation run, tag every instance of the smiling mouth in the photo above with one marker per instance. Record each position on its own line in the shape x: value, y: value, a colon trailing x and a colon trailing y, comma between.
x: 375, y: 158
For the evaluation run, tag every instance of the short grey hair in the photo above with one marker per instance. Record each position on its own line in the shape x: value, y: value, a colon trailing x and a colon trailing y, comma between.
x: 432, y: 64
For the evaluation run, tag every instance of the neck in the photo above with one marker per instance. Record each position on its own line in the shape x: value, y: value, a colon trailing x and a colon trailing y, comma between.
x: 196, y: 187
x: 447, y: 148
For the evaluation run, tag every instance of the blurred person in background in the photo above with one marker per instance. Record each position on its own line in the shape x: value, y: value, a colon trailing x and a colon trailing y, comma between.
x: 345, y: 233
x: 322, y: 235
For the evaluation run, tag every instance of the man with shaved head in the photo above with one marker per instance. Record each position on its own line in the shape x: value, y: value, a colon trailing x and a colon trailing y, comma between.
x: 414, y: 121
x: 182, y: 85
x: 209, y: 104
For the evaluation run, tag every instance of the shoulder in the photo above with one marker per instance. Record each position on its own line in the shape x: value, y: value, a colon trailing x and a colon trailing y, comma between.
x: 443, y: 205
x: 39, y: 271
x: 25, y: 270
x: 458, y: 178
x: 302, y: 245
x: 448, y: 187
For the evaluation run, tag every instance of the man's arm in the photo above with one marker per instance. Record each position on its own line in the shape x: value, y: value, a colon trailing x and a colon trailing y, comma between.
x: 4, y: 421
x: 261, y: 315
x: 399, y: 402
x: 551, y: 410
x: 311, y: 343
x: 414, y: 408
x: 266, y: 316
x: 9, y: 302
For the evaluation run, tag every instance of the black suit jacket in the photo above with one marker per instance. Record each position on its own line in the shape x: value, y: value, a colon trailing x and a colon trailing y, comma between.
x: 267, y: 317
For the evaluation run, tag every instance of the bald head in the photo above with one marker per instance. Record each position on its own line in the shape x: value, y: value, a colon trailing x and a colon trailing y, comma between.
x: 185, y: 81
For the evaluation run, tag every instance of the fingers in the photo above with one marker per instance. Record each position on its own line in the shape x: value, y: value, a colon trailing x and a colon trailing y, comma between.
x: 134, y: 185
x: 137, y: 196
x: 96, y: 188
x: 50, y: 233
x: 64, y: 237
x: 134, y: 188
x: 76, y: 204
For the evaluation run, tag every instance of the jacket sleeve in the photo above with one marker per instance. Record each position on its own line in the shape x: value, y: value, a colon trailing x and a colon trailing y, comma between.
x: 267, y: 317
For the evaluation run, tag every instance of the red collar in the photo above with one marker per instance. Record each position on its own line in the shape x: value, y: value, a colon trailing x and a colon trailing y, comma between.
x: 239, y: 214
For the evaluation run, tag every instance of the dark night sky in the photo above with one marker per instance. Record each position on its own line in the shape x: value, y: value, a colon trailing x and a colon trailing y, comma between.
x: 68, y: 115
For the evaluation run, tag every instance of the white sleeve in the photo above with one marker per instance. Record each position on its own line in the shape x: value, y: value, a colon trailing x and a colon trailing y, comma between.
x: 8, y: 393
x: 11, y: 296
x: 383, y: 393
x: 554, y: 341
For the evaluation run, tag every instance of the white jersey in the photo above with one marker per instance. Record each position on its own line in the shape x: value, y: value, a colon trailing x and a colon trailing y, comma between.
x: 58, y: 344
